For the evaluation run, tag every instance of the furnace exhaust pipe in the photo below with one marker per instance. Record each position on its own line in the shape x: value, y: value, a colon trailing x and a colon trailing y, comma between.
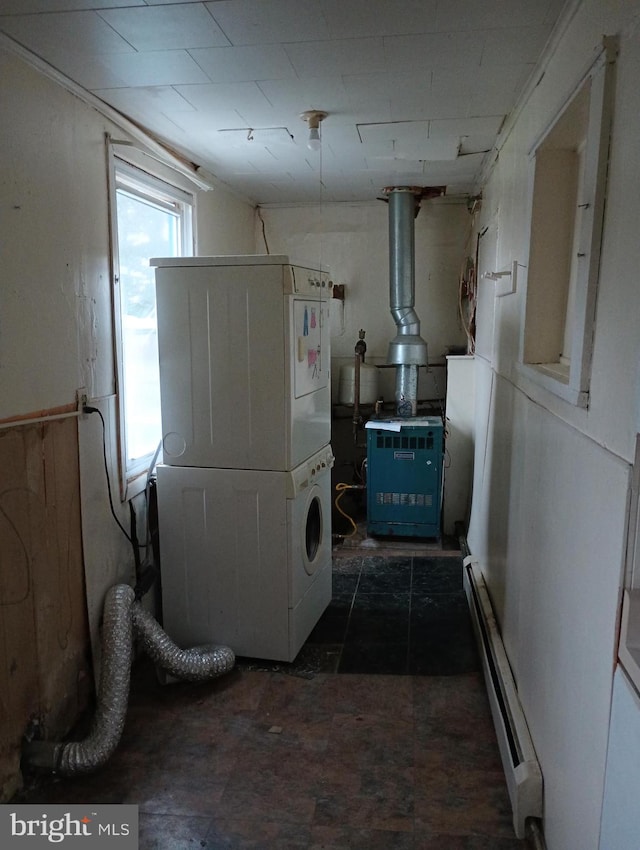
x: 407, y: 351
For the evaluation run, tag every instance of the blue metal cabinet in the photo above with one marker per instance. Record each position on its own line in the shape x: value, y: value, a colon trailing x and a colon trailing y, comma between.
x: 404, y: 477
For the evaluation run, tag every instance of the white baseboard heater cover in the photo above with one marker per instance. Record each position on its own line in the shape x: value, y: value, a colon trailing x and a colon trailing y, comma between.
x: 519, y: 760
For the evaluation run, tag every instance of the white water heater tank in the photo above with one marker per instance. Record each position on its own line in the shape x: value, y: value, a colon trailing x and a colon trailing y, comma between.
x: 368, y: 383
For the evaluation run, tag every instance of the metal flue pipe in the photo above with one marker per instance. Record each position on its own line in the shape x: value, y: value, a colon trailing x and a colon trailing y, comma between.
x: 407, y: 351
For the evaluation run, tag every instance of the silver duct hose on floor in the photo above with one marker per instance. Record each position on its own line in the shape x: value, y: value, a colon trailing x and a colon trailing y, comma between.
x: 194, y: 665
x: 122, y: 617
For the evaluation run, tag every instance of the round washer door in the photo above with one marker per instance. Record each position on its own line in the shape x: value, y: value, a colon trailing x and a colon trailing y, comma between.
x: 312, y: 530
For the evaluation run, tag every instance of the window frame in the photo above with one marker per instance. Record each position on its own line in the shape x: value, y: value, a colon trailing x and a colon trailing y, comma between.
x: 151, y: 185
x: 574, y: 386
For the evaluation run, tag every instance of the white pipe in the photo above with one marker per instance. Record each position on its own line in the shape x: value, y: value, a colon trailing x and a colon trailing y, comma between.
x: 16, y: 423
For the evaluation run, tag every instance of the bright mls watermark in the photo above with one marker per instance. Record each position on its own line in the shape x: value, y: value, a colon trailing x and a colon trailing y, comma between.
x: 94, y: 825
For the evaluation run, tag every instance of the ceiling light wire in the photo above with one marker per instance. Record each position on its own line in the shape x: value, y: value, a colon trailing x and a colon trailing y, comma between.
x: 320, y: 157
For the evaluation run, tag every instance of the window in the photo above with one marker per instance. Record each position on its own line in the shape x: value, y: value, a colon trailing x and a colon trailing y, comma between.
x: 570, y: 164
x: 152, y: 219
x: 629, y: 646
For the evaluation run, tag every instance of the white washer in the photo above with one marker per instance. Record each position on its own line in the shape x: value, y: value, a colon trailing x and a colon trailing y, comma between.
x: 245, y: 555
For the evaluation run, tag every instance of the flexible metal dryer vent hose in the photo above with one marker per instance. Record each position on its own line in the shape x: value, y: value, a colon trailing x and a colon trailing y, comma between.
x: 124, y: 616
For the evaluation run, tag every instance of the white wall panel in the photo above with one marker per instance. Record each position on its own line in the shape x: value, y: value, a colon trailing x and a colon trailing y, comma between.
x: 621, y: 813
x: 556, y: 478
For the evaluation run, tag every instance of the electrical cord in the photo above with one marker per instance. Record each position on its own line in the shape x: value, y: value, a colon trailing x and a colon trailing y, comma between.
x: 342, y: 488
x: 88, y: 409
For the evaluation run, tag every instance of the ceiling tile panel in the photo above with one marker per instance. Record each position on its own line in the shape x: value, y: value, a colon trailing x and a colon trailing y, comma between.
x: 214, y: 97
x: 414, y: 106
x: 487, y: 125
x: 490, y: 14
x: 295, y: 96
x: 343, y: 56
x: 270, y: 21
x: 76, y: 32
x: 24, y: 7
x: 157, y: 68
x: 147, y: 100
x: 421, y: 52
x: 166, y: 27
x: 358, y: 18
x: 360, y: 86
x: 514, y: 46
x: 242, y: 64
x: 399, y: 131
x: 434, y: 77
x: 86, y: 69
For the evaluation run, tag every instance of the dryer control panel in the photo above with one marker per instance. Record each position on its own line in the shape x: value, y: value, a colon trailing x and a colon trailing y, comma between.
x: 307, y: 473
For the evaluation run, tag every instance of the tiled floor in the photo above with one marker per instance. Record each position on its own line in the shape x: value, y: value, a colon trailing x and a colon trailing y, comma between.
x: 399, y: 613
x: 402, y: 755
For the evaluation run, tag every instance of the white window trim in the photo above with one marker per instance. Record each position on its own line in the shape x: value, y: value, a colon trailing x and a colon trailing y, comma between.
x: 134, y: 173
x: 575, y: 388
x: 629, y: 645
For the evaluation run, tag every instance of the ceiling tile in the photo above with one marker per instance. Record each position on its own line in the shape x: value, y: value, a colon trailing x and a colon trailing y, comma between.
x: 357, y: 18
x: 344, y: 56
x: 490, y: 14
x: 360, y: 86
x: 24, y: 7
x: 399, y: 131
x: 87, y: 70
x: 214, y: 97
x: 166, y: 27
x: 240, y: 64
x: 420, y: 53
x: 147, y: 100
x: 441, y: 73
x: 157, y: 68
x: 411, y: 105
x: 487, y: 125
x: 275, y: 21
x: 76, y: 32
x: 514, y: 46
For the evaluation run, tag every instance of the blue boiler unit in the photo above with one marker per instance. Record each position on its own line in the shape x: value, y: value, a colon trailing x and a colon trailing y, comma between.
x: 404, y: 476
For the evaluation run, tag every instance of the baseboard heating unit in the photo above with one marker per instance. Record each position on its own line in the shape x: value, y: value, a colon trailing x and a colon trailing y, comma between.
x: 519, y: 760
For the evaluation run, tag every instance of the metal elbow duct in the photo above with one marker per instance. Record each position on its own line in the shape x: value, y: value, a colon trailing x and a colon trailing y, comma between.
x: 195, y: 665
x: 123, y: 617
x: 113, y: 694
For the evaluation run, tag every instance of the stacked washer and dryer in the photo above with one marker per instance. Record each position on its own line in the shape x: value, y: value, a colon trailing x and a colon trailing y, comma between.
x: 244, y: 490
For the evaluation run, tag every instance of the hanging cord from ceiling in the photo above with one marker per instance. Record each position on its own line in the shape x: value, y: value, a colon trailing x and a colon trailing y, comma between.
x: 264, y: 231
x: 467, y: 281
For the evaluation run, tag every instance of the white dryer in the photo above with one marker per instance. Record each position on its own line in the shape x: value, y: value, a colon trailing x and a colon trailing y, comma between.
x: 244, y: 361
x: 245, y: 555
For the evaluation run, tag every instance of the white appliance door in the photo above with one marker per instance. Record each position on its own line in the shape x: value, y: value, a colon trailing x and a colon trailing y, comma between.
x: 223, y: 367
x: 310, y: 371
x: 224, y: 559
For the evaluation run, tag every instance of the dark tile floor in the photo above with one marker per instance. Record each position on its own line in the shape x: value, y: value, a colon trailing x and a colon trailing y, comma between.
x: 379, y: 735
x: 399, y: 614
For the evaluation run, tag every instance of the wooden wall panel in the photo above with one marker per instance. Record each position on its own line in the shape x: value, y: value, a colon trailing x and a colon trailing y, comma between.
x: 44, y: 639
